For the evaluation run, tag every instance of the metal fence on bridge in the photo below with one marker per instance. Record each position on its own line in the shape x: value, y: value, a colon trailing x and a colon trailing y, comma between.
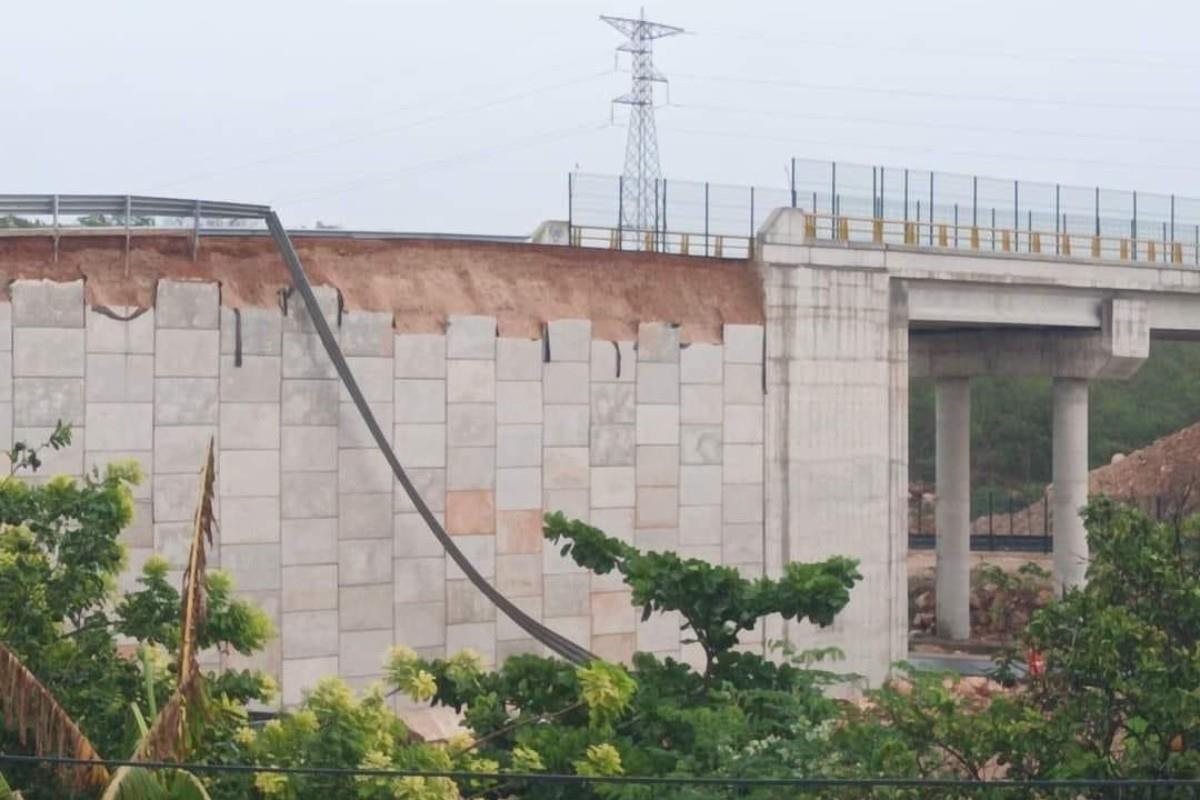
x: 898, y: 206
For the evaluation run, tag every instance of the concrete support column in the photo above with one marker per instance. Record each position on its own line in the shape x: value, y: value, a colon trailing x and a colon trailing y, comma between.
x: 1070, y: 480
x: 953, y: 514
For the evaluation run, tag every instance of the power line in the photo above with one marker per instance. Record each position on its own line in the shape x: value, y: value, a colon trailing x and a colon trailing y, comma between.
x: 642, y: 170
x: 276, y: 157
x: 901, y: 92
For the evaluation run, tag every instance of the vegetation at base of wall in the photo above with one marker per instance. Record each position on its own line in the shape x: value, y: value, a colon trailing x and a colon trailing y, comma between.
x: 1011, y: 418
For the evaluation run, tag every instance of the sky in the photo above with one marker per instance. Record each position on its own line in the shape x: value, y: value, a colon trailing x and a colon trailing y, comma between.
x: 467, y: 116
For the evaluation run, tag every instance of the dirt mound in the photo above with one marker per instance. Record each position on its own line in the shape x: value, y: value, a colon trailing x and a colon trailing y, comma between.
x: 1163, y: 479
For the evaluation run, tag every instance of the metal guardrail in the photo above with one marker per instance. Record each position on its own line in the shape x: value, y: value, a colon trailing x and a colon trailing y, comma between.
x: 904, y: 208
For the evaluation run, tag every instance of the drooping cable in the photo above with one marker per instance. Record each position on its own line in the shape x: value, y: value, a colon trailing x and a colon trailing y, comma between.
x: 557, y: 643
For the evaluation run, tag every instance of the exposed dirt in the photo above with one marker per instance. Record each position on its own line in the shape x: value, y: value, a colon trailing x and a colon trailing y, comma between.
x: 420, y: 281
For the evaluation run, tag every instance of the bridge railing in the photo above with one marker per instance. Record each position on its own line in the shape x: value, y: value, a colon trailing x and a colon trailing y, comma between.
x: 896, y: 207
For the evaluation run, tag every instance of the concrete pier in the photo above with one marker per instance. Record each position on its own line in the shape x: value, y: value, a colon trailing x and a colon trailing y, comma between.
x: 953, y: 515
x: 1070, y: 473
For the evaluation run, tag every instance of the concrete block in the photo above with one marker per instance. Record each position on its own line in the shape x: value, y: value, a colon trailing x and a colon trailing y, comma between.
x: 363, y: 653
x: 699, y: 485
x: 308, y: 495
x: 701, y: 404
x: 420, y: 445
x: 743, y: 502
x: 413, y: 539
x: 613, y: 487
x: 613, y: 612
x: 6, y: 425
x: 182, y: 353
x: 309, y: 541
x: 471, y: 468
x: 700, y: 525
x: 421, y: 624
x: 68, y: 461
x: 480, y: 550
x: 249, y: 520
x: 46, y: 304
x: 108, y: 335
x: 304, y: 357
x: 701, y: 363
x: 566, y: 425
x: 175, y: 496
x: 566, y: 382
x: 700, y: 444
x: 465, y: 603
x: 6, y: 324
x: 248, y: 473
x: 577, y: 629
x: 571, y: 502
x: 309, y: 633
x: 657, y: 424
x: 613, y: 404
x: 308, y: 448
x: 140, y: 531
x: 613, y: 445
x: 252, y: 566
x: 570, y: 340
x: 310, y: 402
x: 419, y: 400
x: 660, y: 633
x: 365, y: 516
x: 744, y: 424
x: 507, y: 648
x: 470, y: 336
x: 99, y: 460
x: 657, y: 507
x: 617, y: 648
x: 249, y: 426
x: 368, y: 607
x: 471, y: 425
x: 519, y: 575
x: 509, y: 631
x: 365, y: 471
x: 743, y: 384
x: 311, y: 587
x: 566, y: 595
x: 302, y: 674
x: 6, y: 376
x: 173, y: 541
x: 352, y: 429
x: 42, y: 402
x: 657, y: 465
x: 419, y: 580
x: 519, y: 532
x: 420, y: 355
x: 261, y: 332
x: 470, y: 512
x: 48, y: 352
x: 296, y: 318
x: 743, y: 463
x: 363, y: 561
x: 658, y: 341
x: 518, y: 445
x: 518, y: 402
x: 744, y: 344
x: 477, y: 636
x: 367, y: 333
x: 374, y: 378
x: 658, y: 383
x: 518, y: 488
x: 615, y: 522
x: 470, y: 381
x: 614, y: 361
x: 185, y: 401
x: 430, y: 485
x: 113, y: 377
x: 742, y: 543
x: 565, y: 468
x: 187, y: 304
x: 518, y: 359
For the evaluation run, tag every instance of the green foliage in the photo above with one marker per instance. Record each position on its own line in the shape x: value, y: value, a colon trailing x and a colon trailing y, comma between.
x: 715, y: 601
x: 13, y: 221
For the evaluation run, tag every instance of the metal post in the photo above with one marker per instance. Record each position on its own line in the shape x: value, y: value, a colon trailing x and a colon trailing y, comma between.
x: 1097, y: 211
x: 128, y: 234
x: 620, y: 211
x: 1057, y: 213
x: 956, y: 226
x: 706, y: 217
x: 1133, y: 228
x: 1172, y: 219
x: 664, y: 216
x: 882, y: 203
x: 874, y: 197
x: 56, y: 232
x: 196, y: 231
x: 750, y: 247
x: 906, y: 195
x: 793, y: 182
x: 833, y: 189
x: 1016, y: 216
x: 570, y: 206
x: 993, y: 228
x: 931, y: 208
x: 975, y: 201
x: 654, y: 238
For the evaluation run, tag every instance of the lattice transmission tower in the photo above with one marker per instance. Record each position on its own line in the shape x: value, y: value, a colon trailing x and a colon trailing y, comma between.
x: 640, y: 178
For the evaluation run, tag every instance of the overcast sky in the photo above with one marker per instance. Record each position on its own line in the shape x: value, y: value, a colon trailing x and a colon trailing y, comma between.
x: 466, y: 116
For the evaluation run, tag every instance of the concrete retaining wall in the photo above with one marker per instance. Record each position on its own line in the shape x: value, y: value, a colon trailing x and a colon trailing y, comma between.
x: 656, y: 441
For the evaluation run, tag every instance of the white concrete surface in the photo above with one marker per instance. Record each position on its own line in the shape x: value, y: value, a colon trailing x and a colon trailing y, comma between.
x: 953, y: 513
x: 1070, y: 473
